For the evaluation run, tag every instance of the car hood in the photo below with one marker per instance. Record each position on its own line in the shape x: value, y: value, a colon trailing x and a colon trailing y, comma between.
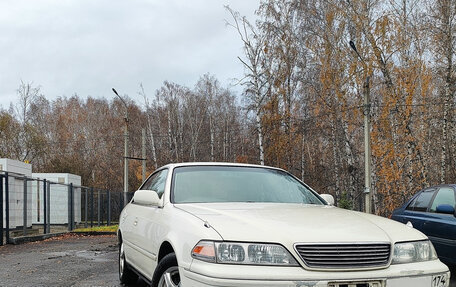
x: 292, y: 223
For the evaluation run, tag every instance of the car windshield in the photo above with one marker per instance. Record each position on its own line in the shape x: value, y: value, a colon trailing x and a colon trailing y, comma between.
x: 201, y: 184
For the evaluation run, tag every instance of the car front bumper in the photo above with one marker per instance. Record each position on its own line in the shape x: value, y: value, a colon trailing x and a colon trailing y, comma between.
x: 203, y: 274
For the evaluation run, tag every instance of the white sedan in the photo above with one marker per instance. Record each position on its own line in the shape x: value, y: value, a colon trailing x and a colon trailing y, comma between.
x: 220, y: 224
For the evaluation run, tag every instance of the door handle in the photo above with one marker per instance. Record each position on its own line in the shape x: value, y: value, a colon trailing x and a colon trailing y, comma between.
x: 136, y: 222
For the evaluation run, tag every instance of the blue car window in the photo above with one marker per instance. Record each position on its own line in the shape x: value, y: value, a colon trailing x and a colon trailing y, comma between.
x: 444, y: 196
x: 422, y: 201
x: 412, y: 204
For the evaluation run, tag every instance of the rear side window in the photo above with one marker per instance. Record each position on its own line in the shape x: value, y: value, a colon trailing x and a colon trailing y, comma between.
x: 444, y: 196
x: 422, y: 201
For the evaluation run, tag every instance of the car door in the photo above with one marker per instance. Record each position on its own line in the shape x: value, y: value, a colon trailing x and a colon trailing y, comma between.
x: 126, y: 223
x: 416, y: 211
x: 441, y: 228
x: 130, y: 231
x: 147, y: 224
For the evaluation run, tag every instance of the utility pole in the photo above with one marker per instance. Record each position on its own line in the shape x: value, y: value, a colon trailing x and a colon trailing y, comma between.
x: 367, y: 145
x: 126, y: 162
x: 143, y: 155
x: 367, y: 148
x: 125, y: 193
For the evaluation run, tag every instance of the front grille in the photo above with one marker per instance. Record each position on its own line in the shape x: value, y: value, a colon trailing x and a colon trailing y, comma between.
x: 344, y: 256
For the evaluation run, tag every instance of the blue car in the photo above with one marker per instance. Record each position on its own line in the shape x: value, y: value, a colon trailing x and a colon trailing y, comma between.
x: 432, y: 211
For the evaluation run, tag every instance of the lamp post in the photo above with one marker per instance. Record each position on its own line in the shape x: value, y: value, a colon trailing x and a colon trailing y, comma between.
x: 367, y: 145
x: 125, y: 197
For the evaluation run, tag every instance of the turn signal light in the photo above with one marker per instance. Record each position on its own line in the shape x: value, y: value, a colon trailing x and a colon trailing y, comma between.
x: 205, y: 251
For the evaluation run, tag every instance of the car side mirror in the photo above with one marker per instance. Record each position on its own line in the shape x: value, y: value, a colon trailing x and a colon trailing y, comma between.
x: 146, y: 197
x: 328, y: 198
x: 445, y: 209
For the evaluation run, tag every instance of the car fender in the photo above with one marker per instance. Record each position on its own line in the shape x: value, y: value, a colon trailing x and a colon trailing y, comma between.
x: 185, y: 232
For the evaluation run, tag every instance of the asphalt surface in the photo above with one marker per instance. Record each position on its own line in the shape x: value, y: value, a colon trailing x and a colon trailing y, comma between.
x: 63, y: 261
x: 69, y: 260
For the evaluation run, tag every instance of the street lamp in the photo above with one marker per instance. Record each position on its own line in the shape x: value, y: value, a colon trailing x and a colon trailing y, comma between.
x: 125, y: 193
x: 367, y: 145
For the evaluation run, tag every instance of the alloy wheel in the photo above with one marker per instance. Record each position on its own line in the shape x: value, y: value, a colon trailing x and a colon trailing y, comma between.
x: 170, y: 278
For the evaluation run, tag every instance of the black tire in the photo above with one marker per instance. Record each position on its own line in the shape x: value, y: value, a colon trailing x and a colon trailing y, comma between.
x: 167, y: 266
x: 126, y: 275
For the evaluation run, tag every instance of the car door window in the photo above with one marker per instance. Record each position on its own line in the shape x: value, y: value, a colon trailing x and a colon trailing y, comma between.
x: 422, y: 201
x: 444, y: 196
x: 157, y: 182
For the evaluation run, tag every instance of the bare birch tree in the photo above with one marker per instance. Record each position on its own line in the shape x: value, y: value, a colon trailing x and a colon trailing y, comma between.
x: 256, y: 78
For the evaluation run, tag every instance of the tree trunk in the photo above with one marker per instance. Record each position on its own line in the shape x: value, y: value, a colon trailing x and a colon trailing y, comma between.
x: 225, y: 141
x: 212, y: 137
x: 152, y: 141
x: 352, y: 171
x: 176, y: 147
x: 444, y: 138
x: 170, y: 140
x: 335, y: 159
x: 260, y: 136
x: 448, y: 93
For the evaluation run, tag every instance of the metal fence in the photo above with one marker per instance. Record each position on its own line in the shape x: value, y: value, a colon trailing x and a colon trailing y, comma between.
x: 34, y: 206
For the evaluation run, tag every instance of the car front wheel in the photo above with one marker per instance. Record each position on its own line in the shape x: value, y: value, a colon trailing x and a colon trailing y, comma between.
x: 126, y: 275
x: 167, y: 272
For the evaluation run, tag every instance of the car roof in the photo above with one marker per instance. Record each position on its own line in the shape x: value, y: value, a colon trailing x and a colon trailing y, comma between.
x: 453, y: 185
x: 182, y: 164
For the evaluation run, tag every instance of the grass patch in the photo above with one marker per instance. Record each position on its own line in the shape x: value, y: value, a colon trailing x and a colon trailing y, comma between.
x: 111, y: 228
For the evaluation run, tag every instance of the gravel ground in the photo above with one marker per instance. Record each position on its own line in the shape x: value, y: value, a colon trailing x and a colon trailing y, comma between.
x: 69, y: 260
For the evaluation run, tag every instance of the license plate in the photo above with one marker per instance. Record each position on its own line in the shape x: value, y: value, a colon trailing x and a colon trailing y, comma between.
x: 356, y: 284
x: 440, y: 280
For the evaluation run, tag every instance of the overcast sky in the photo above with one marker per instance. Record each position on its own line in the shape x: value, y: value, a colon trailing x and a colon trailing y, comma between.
x: 89, y: 46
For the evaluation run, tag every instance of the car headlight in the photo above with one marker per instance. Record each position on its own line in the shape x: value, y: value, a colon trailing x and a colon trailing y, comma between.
x: 414, y: 251
x: 243, y: 253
